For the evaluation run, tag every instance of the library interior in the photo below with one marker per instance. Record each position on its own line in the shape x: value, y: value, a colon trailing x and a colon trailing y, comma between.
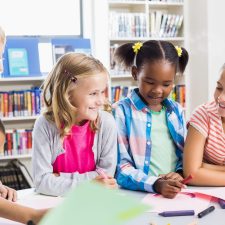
x: 39, y: 129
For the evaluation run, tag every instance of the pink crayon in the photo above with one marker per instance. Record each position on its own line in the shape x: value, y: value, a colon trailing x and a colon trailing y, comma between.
x: 101, y: 172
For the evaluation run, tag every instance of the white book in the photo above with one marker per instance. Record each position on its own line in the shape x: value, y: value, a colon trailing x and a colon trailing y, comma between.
x: 179, y: 25
x: 175, y: 25
x: 158, y: 22
x: 163, y: 24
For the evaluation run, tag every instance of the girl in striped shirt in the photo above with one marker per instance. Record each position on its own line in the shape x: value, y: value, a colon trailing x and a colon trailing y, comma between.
x: 204, y: 152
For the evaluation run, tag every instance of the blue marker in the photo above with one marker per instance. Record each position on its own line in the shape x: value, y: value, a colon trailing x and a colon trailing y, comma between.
x: 177, y: 213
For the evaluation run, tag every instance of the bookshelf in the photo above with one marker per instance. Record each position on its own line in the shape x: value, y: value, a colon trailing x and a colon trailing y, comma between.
x: 18, y: 126
x: 142, y: 20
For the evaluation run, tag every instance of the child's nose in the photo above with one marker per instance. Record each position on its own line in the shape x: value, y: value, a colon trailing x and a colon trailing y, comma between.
x: 100, y: 100
x: 157, y: 89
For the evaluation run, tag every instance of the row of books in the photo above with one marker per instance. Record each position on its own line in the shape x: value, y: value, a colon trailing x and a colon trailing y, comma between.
x: 165, y: 25
x: 120, y: 92
x: 178, y: 94
x: 17, y: 142
x: 20, y: 103
x: 127, y: 24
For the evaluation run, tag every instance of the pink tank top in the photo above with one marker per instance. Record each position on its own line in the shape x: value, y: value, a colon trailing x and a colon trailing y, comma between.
x: 78, y: 156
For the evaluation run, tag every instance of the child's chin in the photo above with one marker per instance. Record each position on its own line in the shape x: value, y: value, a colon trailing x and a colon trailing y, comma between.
x: 221, y: 112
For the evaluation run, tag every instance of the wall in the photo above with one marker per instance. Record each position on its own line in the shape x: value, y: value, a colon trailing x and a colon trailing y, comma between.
x: 206, y: 44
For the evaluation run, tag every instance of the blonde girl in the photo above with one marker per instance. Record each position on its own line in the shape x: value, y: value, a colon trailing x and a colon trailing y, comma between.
x: 74, y: 137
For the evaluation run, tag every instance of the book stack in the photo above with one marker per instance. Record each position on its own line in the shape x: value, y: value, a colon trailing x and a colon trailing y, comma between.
x: 165, y: 25
x: 18, y: 142
x: 178, y: 94
x: 20, y: 103
x: 126, y: 24
x: 120, y: 92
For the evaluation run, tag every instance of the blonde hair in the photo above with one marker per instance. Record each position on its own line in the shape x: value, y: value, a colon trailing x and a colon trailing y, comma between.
x: 2, y: 36
x: 56, y: 88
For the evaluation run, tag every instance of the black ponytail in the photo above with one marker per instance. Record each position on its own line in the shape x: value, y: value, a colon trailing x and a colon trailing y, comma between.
x: 150, y: 51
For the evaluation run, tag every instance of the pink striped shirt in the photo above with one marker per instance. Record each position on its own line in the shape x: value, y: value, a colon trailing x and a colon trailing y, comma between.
x: 208, y: 122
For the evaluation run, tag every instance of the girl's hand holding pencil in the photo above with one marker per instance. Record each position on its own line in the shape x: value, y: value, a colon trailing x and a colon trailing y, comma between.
x: 105, y: 179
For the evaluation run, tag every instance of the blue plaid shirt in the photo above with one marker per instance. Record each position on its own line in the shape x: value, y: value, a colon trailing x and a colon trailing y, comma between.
x: 134, y: 122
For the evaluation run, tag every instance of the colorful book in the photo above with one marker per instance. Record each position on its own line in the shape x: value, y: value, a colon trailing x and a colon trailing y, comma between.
x: 60, y: 50
x: 18, y: 62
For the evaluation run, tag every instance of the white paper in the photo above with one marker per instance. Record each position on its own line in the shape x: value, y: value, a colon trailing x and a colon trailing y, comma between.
x: 180, y: 202
x: 218, y: 192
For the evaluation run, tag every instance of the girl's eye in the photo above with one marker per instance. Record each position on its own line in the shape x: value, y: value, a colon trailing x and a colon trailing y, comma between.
x: 166, y: 85
x: 219, y: 88
x: 151, y: 83
x: 94, y: 93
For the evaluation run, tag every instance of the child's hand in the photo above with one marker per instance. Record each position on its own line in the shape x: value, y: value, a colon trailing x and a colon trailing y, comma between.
x: 38, y: 214
x: 109, y: 182
x: 168, y: 188
x: 8, y: 193
x: 56, y: 174
x: 172, y: 176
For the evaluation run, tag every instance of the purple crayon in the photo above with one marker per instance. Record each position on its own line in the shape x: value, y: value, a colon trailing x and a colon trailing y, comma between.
x: 222, y: 203
x: 177, y: 213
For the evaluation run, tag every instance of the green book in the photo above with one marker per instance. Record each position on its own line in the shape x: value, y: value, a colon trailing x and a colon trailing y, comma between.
x: 92, y: 204
x: 18, y: 61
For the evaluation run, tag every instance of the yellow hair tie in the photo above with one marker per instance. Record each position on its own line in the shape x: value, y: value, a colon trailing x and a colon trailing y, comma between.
x: 179, y: 51
x: 136, y: 47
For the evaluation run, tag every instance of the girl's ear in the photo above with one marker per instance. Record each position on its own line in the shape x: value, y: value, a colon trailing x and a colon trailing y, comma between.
x: 134, y: 72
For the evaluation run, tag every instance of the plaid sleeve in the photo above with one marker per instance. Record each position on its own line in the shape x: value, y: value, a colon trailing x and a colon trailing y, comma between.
x: 127, y: 175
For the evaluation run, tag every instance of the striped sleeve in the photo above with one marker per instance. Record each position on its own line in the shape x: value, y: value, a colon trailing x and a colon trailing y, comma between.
x: 199, y: 120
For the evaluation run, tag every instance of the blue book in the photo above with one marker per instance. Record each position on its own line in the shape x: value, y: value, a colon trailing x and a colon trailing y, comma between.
x: 18, y: 62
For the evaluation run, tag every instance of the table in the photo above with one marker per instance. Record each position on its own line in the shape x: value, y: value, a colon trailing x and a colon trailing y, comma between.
x: 215, y: 218
x: 30, y: 198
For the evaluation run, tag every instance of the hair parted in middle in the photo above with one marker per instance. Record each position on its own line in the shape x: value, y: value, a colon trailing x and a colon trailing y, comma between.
x: 127, y: 55
x: 68, y: 68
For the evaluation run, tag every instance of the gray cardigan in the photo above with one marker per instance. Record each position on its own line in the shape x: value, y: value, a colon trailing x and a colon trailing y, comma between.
x: 47, y: 146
